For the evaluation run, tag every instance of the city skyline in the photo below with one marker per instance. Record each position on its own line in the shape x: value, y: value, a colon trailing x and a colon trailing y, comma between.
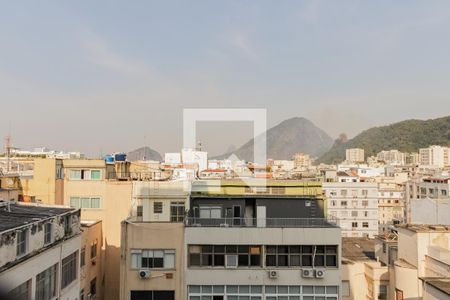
x: 72, y: 74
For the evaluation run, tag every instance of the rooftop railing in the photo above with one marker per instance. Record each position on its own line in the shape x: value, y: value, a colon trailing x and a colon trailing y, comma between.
x: 261, y: 222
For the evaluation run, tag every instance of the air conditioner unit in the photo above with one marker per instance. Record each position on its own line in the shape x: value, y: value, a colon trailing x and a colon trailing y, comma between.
x: 144, y: 274
x: 307, y: 273
x: 231, y: 261
x: 320, y: 273
x: 273, y: 274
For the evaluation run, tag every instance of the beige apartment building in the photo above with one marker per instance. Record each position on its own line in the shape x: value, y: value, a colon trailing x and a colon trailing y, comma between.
x: 363, y: 277
x: 102, y: 191
x: 91, y: 186
x: 418, y: 257
x: 354, y: 155
x: 391, y: 205
x: 91, y: 271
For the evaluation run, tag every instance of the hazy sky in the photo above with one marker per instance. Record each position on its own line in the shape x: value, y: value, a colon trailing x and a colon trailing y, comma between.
x: 98, y: 75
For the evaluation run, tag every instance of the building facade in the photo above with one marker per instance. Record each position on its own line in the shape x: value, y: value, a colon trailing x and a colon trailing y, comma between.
x: 39, y: 252
x: 355, y: 207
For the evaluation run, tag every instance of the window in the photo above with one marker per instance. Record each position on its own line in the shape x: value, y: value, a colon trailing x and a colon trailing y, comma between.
x: 83, y: 257
x: 354, y: 213
x: 96, y: 174
x: 153, y: 295
x: 94, y: 249
x: 210, y: 212
x: 333, y: 203
x: 47, y: 233
x: 177, y: 211
x: 75, y: 174
x: 46, y: 283
x: 382, y: 292
x: 344, y: 193
x: 22, y: 238
x: 365, y: 224
x: 69, y: 269
x: 157, y: 207
x: 93, y: 287
x: 343, y: 203
x: 366, y: 213
x: 365, y: 193
x: 139, y: 211
x: 345, y: 289
x: 85, y: 202
x: 354, y: 224
x: 301, y: 256
x: 398, y: 294
x: 217, y: 255
x: 365, y: 203
x: 150, y: 259
x: 21, y: 292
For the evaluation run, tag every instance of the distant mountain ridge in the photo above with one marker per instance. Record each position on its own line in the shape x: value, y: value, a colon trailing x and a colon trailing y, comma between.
x: 287, y: 138
x: 405, y: 136
x: 144, y: 153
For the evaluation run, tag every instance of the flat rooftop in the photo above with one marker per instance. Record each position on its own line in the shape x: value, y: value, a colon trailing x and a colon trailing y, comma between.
x: 22, y: 214
x: 425, y: 228
x: 442, y: 284
x: 358, y: 248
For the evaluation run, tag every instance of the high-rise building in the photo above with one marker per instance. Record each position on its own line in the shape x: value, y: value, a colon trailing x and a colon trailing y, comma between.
x: 434, y: 156
x: 355, y: 207
x: 354, y: 155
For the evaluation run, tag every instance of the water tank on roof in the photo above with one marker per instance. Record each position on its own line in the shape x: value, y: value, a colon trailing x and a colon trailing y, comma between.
x: 109, y: 159
x: 118, y: 157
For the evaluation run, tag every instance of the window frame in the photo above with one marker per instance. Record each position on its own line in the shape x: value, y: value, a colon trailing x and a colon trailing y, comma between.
x: 136, y: 255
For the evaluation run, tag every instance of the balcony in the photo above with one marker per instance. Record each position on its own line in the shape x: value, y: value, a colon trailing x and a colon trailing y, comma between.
x: 262, y: 222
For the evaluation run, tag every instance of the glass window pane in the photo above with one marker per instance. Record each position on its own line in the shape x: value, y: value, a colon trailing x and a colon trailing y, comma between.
x: 256, y: 289
x: 95, y: 202
x: 319, y: 290
x: 282, y: 289
x: 232, y: 298
x: 244, y: 289
x: 206, y: 289
x: 95, y: 174
x: 232, y: 289
x: 194, y: 289
x: 294, y: 290
x: 218, y: 289
x: 75, y: 202
x: 307, y: 289
x: 244, y: 298
x: 169, y: 260
x: 271, y: 289
x: 332, y: 290
x: 85, y: 202
x: 206, y: 298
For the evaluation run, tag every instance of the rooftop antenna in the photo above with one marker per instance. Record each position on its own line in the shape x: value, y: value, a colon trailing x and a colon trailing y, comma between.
x: 8, y: 147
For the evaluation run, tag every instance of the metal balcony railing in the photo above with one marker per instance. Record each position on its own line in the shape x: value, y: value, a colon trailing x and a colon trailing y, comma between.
x: 261, y: 222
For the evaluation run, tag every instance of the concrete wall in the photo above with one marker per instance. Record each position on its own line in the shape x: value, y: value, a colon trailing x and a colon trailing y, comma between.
x: 27, y: 270
x: 93, y: 269
x: 115, y: 207
x: 152, y: 236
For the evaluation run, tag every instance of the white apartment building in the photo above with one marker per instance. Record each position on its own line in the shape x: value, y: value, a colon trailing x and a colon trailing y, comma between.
x: 39, y: 252
x: 354, y: 155
x: 434, y: 156
x: 392, y: 157
x: 354, y: 205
